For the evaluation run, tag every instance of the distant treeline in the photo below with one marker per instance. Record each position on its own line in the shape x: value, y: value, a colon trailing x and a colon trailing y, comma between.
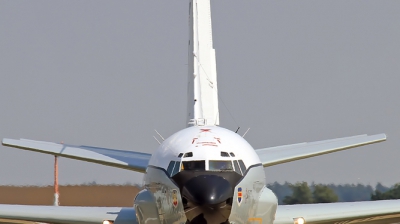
x: 302, y: 193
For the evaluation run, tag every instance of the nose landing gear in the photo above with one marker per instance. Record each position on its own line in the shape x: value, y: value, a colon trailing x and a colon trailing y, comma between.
x: 217, y: 214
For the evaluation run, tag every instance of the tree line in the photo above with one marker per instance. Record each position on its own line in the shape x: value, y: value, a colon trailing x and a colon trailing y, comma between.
x: 303, y: 193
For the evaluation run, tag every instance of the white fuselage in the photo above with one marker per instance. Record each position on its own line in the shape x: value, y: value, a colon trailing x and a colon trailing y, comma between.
x: 206, y: 143
x: 205, y: 174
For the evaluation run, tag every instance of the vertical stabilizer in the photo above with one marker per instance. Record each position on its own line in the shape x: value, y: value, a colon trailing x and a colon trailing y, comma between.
x: 202, y: 85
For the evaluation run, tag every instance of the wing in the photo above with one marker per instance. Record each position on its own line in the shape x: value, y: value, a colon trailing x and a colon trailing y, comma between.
x: 375, y: 212
x: 68, y: 214
x: 130, y: 160
x: 287, y: 153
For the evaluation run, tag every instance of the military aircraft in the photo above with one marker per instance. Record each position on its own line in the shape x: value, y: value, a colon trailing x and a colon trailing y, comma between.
x: 203, y: 173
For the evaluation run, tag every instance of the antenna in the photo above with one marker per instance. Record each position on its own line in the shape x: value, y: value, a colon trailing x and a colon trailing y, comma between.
x: 245, y: 132
x: 159, y: 135
x: 237, y: 130
x: 157, y: 140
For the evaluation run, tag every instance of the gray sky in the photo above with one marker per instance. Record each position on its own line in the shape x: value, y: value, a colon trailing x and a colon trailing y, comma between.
x: 106, y: 73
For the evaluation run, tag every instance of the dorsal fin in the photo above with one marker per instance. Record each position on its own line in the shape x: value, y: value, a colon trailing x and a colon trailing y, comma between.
x: 202, y: 77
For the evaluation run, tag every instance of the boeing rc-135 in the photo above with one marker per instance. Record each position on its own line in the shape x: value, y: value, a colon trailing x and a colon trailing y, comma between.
x: 204, y: 173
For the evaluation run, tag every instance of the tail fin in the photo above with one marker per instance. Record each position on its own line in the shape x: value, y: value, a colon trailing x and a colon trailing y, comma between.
x: 202, y: 85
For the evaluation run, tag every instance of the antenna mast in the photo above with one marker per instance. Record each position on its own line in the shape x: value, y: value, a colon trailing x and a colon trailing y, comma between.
x: 56, y: 194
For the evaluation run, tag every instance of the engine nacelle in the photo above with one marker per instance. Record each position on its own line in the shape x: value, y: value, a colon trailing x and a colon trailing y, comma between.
x: 160, y: 201
x: 146, y: 209
x: 253, y: 202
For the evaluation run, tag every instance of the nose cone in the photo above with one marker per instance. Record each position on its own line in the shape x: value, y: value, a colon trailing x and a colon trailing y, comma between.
x: 207, y: 190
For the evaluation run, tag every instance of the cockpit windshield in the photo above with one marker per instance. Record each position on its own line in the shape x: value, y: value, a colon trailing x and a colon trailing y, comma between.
x: 193, y: 165
x: 175, y: 167
x: 217, y: 165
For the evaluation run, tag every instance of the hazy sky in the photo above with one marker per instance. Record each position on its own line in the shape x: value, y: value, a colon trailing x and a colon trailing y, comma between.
x: 106, y: 73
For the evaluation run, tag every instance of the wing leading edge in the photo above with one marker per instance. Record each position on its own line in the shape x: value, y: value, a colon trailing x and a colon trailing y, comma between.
x: 287, y: 153
x: 130, y: 160
x: 68, y: 214
x: 372, y: 212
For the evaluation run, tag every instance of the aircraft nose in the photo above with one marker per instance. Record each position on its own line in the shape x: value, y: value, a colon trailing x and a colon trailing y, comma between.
x: 207, y: 190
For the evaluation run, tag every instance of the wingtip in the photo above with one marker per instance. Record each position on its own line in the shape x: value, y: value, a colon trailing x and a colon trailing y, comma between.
x: 3, y: 141
x: 379, y: 137
x: 382, y: 136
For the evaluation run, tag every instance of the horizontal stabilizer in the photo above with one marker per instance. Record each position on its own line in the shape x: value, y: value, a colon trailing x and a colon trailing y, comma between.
x: 287, y: 153
x: 375, y: 212
x: 68, y: 214
x: 136, y: 161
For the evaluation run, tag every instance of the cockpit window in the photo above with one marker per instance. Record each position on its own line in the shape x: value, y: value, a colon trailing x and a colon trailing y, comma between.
x: 224, y: 154
x: 176, y: 168
x: 236, y: 165
x: 194, y: 165
x: 188, y: 154
x: 170, y: 167
x: 216, y: 165
x: 242, y: 166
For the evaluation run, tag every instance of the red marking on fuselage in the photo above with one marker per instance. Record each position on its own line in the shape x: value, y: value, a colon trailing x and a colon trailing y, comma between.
x: 218, y: 139
x: 194, y: 139
x: 205, y: 130
x: 208, y: 144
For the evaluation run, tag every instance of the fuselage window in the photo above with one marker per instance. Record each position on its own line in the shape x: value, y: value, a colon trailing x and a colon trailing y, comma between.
x: 188, y: 154
x: 232, y: 154
x: 176, y: 168
x: 180, y: 155
x: 224, y: 154
x: 242, y: 166
x: 194, y: 165
x: 217, y: 165
x: 236, y: 165
x: 170, y: 167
